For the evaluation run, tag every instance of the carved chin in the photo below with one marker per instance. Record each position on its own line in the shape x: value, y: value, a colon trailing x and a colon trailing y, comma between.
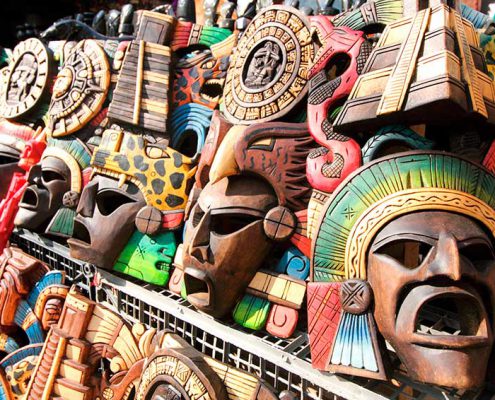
x: 443, y: 335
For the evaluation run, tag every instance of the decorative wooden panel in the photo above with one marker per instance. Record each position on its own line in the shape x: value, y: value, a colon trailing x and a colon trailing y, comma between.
x: 142, y: 92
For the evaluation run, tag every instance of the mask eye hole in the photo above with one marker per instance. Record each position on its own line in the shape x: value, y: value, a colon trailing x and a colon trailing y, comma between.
x: 409, y: 253
x: 108, y: 201
x: 480, y: 254
x: 226, y: 224
x: 198, y: 216
x: 4, y: 159
x: 49, y: 176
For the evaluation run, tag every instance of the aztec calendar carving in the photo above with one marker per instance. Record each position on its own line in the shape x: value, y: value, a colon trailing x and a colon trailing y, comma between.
x: 80, y: 89
x: 27, y: 79
x: 268, y: 75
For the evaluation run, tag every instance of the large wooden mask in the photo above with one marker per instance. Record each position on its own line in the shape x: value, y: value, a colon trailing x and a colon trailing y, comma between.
x: 403, y: 236
x: 257, y: 185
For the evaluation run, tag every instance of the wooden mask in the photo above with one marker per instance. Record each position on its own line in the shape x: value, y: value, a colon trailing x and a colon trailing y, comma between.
x: 31, y: 298
x: 401, y: 235
x: 148, y: 258
x: 435, y: 262
x: 257, y: 185
x: 54, y: 187
x: 199, y: 79
x: 148, y: 180
x: 336, y: 67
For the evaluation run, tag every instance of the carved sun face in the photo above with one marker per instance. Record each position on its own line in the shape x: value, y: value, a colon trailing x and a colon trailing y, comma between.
x: 63, y: 83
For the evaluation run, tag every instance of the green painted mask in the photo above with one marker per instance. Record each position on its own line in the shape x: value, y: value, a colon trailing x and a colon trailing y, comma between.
x: 148, y: 258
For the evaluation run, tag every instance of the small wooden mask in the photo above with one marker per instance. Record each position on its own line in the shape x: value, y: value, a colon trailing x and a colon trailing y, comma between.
x: 148, y: 180
x: 199, y: 79
x: 13, y: 138
x: 54, y: 187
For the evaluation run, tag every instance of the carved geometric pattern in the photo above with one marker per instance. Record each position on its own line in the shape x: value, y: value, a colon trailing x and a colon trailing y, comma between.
x: 333, y: 169
x: 268, y: 73
x: 355, y: 296
x: 324, y: 312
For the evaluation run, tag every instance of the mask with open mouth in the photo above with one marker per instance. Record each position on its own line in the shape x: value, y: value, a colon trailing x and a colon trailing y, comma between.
x: 55, y: 185
x: 199, y: 79
x: 105, y: 220
x: 256, y: 187
x: 13, y: 138
x: 138, y: 183
x: 433, y: 279
x: 406, y: 243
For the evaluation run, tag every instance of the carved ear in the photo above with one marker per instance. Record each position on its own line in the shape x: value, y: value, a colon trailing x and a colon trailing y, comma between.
x: 149, y: 220
x: 279, y: 224
x: 357, y: 349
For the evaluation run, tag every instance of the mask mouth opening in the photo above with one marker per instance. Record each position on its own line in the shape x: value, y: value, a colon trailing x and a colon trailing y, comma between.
x: 212, y: 89
x: 29, y: 199
x: 198, y: 291
x: 81, y: 233
x: 450, y: 315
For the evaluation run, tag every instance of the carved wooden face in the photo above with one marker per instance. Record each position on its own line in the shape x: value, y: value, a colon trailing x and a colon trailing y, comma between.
x: 433, y: 279
x: 224, y: 224
x: 48, y: 182
x: 105, y: 221
x: 199, y: 79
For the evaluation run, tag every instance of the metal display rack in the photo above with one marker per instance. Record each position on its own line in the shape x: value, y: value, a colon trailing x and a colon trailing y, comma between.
x: 283, y: 363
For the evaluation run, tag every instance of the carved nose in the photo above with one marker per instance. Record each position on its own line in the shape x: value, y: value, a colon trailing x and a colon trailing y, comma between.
x: 37, y: 181
x: 446, y: 261
x: 200, y: 242
x: 200, y: 253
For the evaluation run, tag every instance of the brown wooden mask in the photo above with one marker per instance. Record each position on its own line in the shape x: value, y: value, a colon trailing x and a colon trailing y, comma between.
x: 218, y: 266
x: 407, y: 243
x: 433, y: 279
x: 54, y: 188
x: 105, y: 221
x: 257, y: 185
x: 48, y: 181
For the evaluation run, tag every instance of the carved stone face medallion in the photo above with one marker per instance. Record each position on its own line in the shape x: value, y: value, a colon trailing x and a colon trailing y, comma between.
x: 48, y: 181
x: 105, y: 221
x: 218, y: 267
x: 28, y: 78
x: 433, y: 279
x: 80, y: 89
x: 266, y: 62
x: 269, y: 71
